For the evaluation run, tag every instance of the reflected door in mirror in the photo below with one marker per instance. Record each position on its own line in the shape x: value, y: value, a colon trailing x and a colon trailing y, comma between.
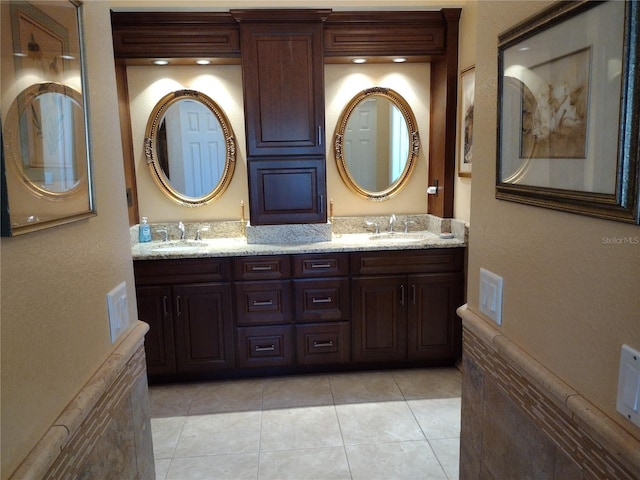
x: 193, y: 154
x: 376, y: 144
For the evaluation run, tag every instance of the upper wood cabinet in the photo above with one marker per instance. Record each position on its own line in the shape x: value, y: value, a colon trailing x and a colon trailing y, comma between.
x: 416, y: 34
x: 139, y: 36
x: 282, y: 70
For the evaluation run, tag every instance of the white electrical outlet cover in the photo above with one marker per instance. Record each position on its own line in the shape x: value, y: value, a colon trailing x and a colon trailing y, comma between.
x: 118, y: 311
x: 491, y: 295
x: 628, y: 400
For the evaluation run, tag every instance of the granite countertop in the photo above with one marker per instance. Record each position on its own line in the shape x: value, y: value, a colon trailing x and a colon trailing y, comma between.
x: 226, y: 239
x: 237, y: 246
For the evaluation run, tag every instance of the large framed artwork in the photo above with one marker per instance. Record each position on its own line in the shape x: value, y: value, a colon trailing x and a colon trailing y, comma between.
x: 45, y: 138
x: 568, y: 90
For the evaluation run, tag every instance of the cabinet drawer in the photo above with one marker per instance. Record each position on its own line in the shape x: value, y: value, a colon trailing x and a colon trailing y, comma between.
x: 407, y: 261
x: 189, y: 270
x: 321, y: 300
x: 261, y: 267
x: 263, y: 303
x: 321, y: 265
x: 264, y: 346
x: 323, y: 343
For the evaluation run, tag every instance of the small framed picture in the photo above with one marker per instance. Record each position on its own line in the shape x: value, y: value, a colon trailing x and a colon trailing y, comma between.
x: 465, y: 135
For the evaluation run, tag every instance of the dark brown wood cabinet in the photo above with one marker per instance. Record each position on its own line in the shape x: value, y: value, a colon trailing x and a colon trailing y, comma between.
x: 264, y: 335
x: 408, y: 317
x: 154, y: 308
x: 190, y: 324
x: 213, y: 317
x: 322, y: 310
x: 282, y: 65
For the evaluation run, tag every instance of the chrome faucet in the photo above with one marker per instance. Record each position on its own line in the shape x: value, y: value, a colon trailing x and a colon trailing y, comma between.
x: 182, y: 230
x: 392, y: 221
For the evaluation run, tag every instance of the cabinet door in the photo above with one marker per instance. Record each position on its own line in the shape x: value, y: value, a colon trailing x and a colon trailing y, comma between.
x: 379, y: 319
x: 283, y: 88
x: 435, y: 330
x: 287, y: 191
x: 203, y: 327
x: 154, y: 308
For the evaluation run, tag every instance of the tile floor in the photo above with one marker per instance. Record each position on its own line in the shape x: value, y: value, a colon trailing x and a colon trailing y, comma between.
x: 388, y: 425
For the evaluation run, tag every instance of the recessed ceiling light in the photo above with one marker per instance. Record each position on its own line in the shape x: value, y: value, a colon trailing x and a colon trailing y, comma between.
x: 399, y: 60
x: 161, y: 62
x: 203, y: 62
x: 359, y: 60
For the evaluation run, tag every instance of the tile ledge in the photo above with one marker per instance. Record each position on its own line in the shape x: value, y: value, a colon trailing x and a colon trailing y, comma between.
x: 46, y: 451
x: 623, y: 444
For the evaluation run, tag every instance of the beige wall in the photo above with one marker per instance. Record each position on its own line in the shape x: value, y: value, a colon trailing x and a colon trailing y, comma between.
x: 55, y: 330
x: 570, y: 299
x: 466, y: 59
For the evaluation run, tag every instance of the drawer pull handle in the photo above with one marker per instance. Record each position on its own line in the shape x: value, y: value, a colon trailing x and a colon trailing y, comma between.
x: 261, y: 268
x: 263, y: 303
x: 402, y: 295
x: 320, y: 265
x: 321, y: 300
x: 270, y: 348
x: 317, y: 344
x: 178, y: 308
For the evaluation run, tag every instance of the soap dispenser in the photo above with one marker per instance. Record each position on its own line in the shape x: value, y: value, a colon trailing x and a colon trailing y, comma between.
x: 144, y: 231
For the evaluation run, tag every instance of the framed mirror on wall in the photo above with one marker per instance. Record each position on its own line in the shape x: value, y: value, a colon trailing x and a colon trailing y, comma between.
x: 569, y: 110
x: 376, y: 143
x: 46, y: 154
x: 190, y: 148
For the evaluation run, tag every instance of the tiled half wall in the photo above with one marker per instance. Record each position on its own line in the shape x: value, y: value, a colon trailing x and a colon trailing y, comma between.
x: 520, y: 421
x: 105, y: 432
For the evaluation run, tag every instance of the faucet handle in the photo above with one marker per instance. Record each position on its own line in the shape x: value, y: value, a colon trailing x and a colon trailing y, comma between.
x: 182, y: 230
x: 204, y: 228
x: 373, y: 224
x: 406, y: 225
x: 165, y: 234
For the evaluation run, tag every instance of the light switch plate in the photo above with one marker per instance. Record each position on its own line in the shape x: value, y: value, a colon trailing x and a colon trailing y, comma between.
x: 491, y: 295
x: 628, y: 401
x: 118, y: 309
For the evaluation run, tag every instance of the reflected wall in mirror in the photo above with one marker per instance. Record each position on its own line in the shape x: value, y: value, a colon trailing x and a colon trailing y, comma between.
x: 46, y: 139
x: 376, y: 143
x: 190, y: 148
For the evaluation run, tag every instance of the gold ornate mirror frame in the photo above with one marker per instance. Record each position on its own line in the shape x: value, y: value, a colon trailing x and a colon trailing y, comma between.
x: 414, y: 143
x: 151, y: 148
x: 23, y: 111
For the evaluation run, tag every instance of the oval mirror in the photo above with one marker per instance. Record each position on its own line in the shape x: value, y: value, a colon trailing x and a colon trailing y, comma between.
x: 46, y: 139
x: 190, y: 148
x: 376, y: 143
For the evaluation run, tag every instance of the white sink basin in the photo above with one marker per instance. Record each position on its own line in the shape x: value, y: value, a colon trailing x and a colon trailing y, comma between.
x: 399, y: 237
x: 180, y: 246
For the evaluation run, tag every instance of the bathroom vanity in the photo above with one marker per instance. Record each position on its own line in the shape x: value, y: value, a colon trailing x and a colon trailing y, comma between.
x: 224, y: 308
